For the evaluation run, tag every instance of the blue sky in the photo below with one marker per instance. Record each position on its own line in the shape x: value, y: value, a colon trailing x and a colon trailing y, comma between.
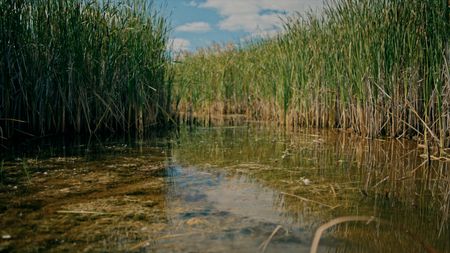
x: 199, y: 23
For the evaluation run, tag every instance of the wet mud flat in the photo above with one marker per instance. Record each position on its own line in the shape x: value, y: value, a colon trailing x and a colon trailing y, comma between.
x: 237, y: 189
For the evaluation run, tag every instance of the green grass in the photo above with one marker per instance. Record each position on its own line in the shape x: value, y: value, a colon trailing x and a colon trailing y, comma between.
x: 26, y: 171
x: 82, y: 66
x: 2, y: 172
x: 376, y: 67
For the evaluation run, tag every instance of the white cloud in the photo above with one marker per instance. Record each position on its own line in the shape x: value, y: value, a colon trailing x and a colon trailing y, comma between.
x: 179, y: 44
x: 194, y: 27
x: 267, y: 34
x: 251, y: 22
x: 257, y: 16
x: 193, y: 3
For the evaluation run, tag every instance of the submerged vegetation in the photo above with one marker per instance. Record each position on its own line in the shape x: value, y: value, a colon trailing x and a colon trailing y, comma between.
x: 224, y: 189
x: 321, y: 173
x: 376, y: 67
x: 82, y: 66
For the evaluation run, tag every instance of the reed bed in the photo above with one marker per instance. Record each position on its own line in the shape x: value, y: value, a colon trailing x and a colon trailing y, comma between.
x: 82, y: 66
x: 379, y: 68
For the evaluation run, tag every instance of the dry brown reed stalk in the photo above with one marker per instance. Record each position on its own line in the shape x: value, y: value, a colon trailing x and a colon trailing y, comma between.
x: 333, y: 222
x: 264, y: 244
x: 309, y: 200
x: 85, y: 212
x: 368, y: 219
x: 146, y: 243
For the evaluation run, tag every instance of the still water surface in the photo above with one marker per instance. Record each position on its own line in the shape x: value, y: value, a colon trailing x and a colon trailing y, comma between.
x: 225, y: 189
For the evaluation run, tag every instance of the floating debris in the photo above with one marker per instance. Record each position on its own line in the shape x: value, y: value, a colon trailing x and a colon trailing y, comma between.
x: 6, y: 237
x: 305, y: 181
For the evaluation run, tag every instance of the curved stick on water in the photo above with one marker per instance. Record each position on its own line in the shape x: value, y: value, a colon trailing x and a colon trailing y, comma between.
x: 333, y: 222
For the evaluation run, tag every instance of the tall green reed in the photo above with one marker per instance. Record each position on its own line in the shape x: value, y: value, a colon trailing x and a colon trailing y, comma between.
x: 82, y: 66
x: 376, y: 67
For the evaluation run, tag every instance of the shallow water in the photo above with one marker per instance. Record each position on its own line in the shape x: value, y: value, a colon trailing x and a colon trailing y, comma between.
x: 225, y: 189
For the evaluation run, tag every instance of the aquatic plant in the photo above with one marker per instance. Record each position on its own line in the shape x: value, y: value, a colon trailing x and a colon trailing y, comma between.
x: 2, y: 172
x: 376, y: 67
x: 26, y: 171
x: 387, y: 178
x: 82, y: 66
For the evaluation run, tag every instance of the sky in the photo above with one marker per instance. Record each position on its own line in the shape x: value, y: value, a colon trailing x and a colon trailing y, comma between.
x: 200, y: 23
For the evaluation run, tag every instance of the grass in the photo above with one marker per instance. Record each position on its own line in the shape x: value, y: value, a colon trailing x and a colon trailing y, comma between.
x: 379, y: 68
x: 26, y: 171
x: 2, y: 173
x: 82, y: 66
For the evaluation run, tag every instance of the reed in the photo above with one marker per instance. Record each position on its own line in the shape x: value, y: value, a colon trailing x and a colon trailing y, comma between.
x: 2, y: 173
x: 376, y: 67
x: 82, y: 66
x: 26, y: 171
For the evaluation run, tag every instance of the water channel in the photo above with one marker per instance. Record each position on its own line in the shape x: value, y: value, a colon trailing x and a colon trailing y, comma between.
x: 228, y: 189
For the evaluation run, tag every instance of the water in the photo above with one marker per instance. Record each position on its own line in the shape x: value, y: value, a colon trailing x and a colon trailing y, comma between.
x: 239, y: 189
